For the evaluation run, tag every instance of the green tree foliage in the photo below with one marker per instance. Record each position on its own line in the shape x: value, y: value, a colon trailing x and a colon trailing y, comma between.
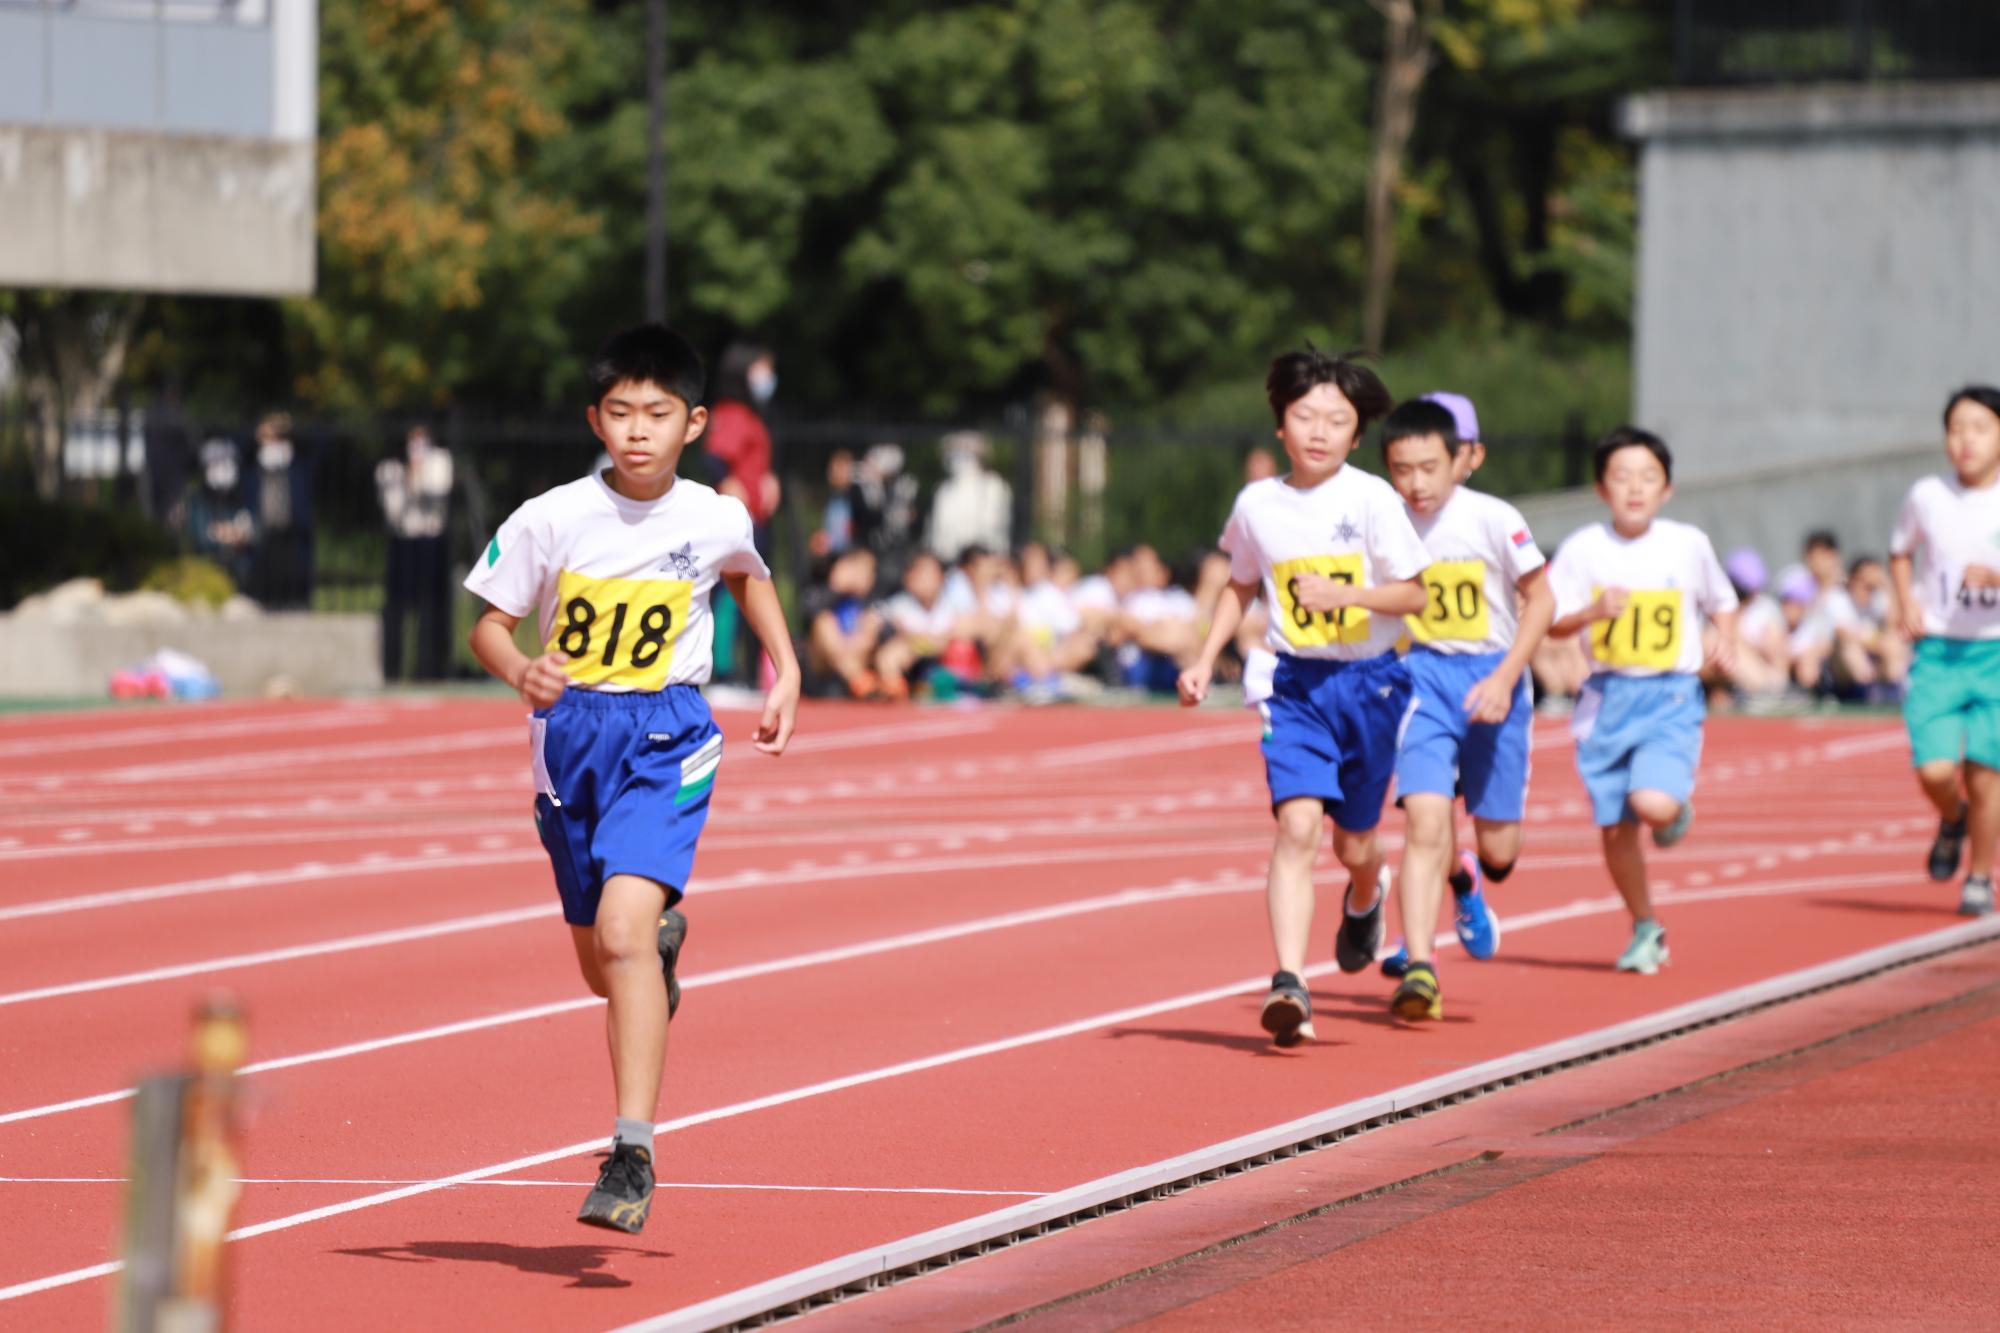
x: 938, y: 205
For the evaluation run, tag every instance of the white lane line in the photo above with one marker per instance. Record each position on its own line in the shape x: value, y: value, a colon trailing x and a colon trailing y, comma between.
x: 845, y: 1082
x: 1134, y: 897
x: 251, y: 879
x: 69, y: 743
x: 576, y: 1184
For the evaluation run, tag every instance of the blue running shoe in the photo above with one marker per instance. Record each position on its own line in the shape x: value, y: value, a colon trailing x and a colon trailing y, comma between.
x: 1478, y: 929
x: 1397, y: 963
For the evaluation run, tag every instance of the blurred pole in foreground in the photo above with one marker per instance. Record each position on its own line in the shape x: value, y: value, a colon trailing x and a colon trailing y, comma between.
x: 656, y: 160
x: 184, y: 1184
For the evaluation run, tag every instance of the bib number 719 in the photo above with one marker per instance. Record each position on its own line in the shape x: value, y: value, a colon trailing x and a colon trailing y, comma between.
x: 1646, y: 634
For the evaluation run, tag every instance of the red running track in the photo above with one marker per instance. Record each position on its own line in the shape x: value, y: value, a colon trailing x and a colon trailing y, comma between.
x: 940, y: 963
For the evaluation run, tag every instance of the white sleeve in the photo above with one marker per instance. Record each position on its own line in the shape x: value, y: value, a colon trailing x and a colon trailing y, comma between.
x: 1568, y: 578
x: 743, y: 557
x: 1510, y: 530
x: 1246, y: 561
x: 1395, y: 552
x: 1714, y: 593
x: 1909, y: 533
x: 510, y: 572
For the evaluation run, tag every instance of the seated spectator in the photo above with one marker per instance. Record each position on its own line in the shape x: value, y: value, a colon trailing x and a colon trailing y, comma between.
x: 928, y: 643
x: 836, y: 529
x: 1098, y: 597
x: 1160, y: 623
x: 1050, y: 640
x: 1763, y: 664
x: 1875, y: 656
x: 843, y: 630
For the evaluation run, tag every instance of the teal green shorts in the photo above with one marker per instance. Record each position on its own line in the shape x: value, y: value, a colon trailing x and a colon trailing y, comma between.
x: 1953, y: 706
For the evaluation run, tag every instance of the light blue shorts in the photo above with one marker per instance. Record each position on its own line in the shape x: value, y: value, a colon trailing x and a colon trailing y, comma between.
x: 1637, y: 733
x: 1444, y: 754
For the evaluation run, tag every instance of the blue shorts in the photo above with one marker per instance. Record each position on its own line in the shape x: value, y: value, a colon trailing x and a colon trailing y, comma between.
x: 622, y: 785
x: 1443, y: 753
x: 1637, y: 733
x: 1330, y: 732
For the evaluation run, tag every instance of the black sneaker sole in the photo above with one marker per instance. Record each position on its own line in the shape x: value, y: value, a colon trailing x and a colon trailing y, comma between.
x: 1357, y: 955
x: 671, y: 940
x: 1287, y: 1019
x: 613, y: 1213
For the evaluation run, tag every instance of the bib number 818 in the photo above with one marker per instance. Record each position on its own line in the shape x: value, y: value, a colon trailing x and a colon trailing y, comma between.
x: 619, y: 633
x: 579, y: 617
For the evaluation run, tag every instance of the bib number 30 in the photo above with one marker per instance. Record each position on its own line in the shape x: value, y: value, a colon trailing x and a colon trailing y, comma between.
x: 619, y: 632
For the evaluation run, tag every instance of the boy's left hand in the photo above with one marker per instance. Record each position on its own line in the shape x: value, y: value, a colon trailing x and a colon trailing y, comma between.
x: 1491, y: 699
x: 781, y: 713
x: 1317, y: 592
x: 1722, y: 654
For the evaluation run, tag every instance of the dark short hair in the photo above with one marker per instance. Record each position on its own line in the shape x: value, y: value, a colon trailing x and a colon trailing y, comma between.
x: 1985, y: 395
x: 1822, y: 537
x: 648, y: 354
x: 1626, y: 437
x: 1296, y: 374
x: 1418, y: 418
x: 1861, y: 562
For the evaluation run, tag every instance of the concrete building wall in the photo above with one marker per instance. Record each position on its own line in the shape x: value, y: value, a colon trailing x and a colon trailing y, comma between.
x: 150, y: 149
x: 1818, y: 269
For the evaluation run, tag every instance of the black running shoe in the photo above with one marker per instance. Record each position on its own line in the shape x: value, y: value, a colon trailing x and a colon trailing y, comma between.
x: 1949, y: 849
x: 1359, y: 938
x: 624, y: 1191
x: 1288, y: 1010
x: 673, y: 933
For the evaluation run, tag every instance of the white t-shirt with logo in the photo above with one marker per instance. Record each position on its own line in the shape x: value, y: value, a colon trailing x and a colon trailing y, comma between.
x: 1674, y: 580
x: 1946, y: 527
x: 1480, y: 549
x: 1351, y: 527
x: 619, y: 585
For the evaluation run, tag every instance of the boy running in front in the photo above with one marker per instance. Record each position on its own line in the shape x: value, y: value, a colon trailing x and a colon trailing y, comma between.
x: 618, y: 568
x: 1488, y: 606
x: 1337, y: 562
x: 1640, y: 585
x: 1952, y: 612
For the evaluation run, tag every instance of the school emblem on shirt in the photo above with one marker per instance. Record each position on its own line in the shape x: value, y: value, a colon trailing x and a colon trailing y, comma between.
x: 1347, y: 532
x: 681, y: 563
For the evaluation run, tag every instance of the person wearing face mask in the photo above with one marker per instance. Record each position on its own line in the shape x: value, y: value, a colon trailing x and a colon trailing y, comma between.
x: 415, y: 490
x: 738, y: 446
x: 280, y: 491
x: 219, y: 524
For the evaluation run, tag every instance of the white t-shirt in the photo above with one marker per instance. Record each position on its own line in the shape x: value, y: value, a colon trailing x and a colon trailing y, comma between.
x: 1760, y: 615
x: 1674, y: 580
x: 928, y: 628
x: 1480, y: 549
x: 1351, y: 526
x: 1093, y: 593
x: 1831, y: 612
x: 620, y: 585
x: 1150, y: 606
x: 1954, y: 527
x: 1046, y: 614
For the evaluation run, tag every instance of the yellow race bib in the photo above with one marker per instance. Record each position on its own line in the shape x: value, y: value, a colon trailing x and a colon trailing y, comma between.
x: 1457, y: 606
x: 1306, y: 628
x: 1646, y: 634
x: 619, y: 632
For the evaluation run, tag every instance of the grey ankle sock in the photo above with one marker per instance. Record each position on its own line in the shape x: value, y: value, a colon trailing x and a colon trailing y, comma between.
x: 638, y: 1133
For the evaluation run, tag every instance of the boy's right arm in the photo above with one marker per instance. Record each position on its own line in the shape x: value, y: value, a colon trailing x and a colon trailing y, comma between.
x: 1908, y: 614
x: 1229, y: 605
x: 540, y: 681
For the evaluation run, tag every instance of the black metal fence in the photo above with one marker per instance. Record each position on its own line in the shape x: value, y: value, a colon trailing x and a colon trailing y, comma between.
x: 317, y: 537
x: 1801, y: 41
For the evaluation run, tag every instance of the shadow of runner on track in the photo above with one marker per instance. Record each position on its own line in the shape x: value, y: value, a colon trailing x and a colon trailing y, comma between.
x: 1942, y: 907
x: 1604, y: 964
x: 1254, y: 1042
x: 584, y: 1263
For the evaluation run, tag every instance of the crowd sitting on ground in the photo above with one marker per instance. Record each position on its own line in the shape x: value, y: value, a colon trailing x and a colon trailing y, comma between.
x: 885, y: 621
